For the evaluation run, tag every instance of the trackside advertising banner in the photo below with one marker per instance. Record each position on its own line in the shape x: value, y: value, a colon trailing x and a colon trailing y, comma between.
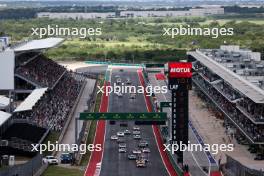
x: 180, y: 69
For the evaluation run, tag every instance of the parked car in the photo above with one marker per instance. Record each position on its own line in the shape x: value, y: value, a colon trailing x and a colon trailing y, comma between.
x: 50, y: 160
x: 66, y: 158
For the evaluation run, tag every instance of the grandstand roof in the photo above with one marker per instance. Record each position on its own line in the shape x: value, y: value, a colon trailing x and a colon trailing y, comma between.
x: 251, y: 91
x: 4, y: 116
x: 4, y: 101
x: 31, y: 100
x: 39, y: 44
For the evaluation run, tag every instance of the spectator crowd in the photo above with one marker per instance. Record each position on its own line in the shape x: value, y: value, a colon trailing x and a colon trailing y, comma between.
x: 24, y: 58
x: 256, y: 132
x: 227, y: 91
x: 54, y: 106
x: 42, y: 71
x: 256, y: 111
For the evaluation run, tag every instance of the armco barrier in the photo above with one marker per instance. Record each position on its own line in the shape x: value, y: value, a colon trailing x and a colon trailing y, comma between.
x: 127, y: 64
x: 97, y: 62
x: 29, y: 168
x: 112, y: 63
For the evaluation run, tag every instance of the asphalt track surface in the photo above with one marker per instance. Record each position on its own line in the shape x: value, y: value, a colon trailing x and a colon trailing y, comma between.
x: 117, y: 164
x: 93, y: 69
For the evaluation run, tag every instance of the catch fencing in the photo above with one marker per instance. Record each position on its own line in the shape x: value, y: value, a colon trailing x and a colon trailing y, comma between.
x: 29, y: 168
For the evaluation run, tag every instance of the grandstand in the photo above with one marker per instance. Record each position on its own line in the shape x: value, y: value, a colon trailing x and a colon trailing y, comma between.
x: 233, y: 80
x: 44, y: 95
x: 41, y: 71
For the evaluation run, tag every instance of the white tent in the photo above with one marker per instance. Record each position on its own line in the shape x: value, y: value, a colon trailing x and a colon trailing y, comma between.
x: 4, y: 116
x: 39, y: 44
x: 31, y: 100
x: 4, y: 102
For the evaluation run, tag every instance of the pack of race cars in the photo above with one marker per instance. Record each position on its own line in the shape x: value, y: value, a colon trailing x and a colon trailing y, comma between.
x: 140, y: 153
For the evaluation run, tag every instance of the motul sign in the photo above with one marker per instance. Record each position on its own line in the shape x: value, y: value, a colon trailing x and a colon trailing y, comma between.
x: 180, y: 70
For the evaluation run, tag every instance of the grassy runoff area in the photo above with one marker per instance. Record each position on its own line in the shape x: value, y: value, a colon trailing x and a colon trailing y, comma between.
x: 62, y: 171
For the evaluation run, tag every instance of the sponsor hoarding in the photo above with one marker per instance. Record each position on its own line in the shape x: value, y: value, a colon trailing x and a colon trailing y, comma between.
x: 180, y: 70
x: 123, y: 116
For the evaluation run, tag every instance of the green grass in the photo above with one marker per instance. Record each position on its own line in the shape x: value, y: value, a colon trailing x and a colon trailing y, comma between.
x: 142, y: 39
x: 86, y: 157
x: 165, y: 23
x: 62, y: 171
x: 137, y: 41
x: 82, y: 48
x: 224, y: 21
x: 98, y: 97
